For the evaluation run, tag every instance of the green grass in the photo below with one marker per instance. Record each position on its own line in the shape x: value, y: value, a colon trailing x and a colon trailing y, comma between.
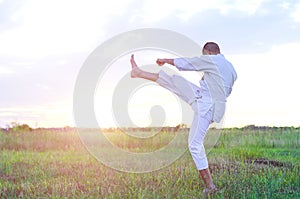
x: 244, y: 163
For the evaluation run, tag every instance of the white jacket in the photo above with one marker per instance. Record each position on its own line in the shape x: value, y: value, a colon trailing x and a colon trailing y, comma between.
x: 219, y: 77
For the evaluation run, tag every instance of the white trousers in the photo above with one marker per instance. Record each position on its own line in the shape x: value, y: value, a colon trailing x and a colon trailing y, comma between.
x: 190, y: 93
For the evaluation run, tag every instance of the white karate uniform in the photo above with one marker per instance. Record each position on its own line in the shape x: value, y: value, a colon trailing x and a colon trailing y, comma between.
x: 207, y: 101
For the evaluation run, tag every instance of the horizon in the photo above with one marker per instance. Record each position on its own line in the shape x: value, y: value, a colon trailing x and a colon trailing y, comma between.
x: 12, y: 125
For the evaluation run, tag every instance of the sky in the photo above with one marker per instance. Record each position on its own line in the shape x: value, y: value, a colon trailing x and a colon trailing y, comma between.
x: 43, y: 45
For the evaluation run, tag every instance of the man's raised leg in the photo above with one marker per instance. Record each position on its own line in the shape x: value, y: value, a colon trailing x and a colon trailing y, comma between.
x: 136, y: 72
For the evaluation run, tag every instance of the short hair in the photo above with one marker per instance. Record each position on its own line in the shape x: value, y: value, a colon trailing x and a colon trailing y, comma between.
x: 213, y: 47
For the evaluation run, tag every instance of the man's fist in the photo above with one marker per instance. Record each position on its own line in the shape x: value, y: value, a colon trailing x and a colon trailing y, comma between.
x: 160, y: 62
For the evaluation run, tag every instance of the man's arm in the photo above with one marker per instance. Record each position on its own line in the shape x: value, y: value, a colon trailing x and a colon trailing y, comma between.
x: 180, y: 63
x: 161, y: 62
x: 200, y: 63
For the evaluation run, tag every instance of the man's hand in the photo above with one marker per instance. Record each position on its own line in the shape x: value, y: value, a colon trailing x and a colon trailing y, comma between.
x: 160, y: 62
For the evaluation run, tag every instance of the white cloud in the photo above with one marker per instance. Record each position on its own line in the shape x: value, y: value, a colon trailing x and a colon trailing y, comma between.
x: 266, y: 91
x: 156, y: 10
x: 57, y: 114
x: 58, y: 27
x: 296, y: 13
x: 285, y: 5
x: 5, y: 70
x: 43, y: 86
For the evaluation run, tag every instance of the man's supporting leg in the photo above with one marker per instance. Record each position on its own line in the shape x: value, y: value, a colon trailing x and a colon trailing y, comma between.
x: 197, y: 134
x: 207, y: 179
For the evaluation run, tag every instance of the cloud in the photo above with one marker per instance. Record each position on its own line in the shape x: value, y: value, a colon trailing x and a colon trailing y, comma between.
x: 65, y: 27
x: 296, y: 13
x: 156, y: 10
x: 57, y: 27
x: 266, y: 89
x: 4, y: 70
x: 239, y: 26
x: 39, y: 82
x: 7, y: 10
x: 56, y: 114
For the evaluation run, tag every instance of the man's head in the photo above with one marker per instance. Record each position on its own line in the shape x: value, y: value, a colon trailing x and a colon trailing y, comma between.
x: 211, y: 48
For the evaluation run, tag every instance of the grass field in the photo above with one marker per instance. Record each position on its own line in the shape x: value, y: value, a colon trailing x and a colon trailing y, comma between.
x: 53, y: 163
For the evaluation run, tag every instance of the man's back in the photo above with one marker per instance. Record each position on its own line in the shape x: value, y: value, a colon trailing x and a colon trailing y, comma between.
x: 226, y: 70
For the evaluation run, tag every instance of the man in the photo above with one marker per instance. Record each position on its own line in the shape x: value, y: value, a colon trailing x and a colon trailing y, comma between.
x: 207, y: 101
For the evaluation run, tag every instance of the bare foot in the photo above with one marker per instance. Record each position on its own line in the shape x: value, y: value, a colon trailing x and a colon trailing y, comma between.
x: 133, y: 64
x: 135, y: 69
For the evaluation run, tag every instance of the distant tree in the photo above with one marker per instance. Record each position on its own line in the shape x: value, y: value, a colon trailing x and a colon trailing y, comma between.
x: 16, y: 127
